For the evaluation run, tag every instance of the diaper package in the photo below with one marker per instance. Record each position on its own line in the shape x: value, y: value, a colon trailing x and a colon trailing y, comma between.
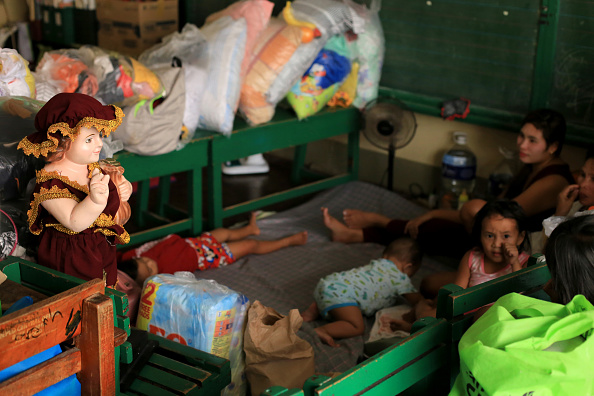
x: 199, y: 313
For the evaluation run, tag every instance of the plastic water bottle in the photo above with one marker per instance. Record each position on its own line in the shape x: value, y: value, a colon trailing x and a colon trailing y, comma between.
x: 458, y: 171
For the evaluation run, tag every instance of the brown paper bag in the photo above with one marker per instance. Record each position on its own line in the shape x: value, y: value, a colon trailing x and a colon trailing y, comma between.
x: 274, y: 355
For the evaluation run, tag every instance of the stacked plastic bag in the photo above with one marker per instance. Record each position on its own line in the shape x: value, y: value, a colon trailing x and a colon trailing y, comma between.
x: 108, y: 76
x: 199, y: 313
x: 316, y: 52
x: 15, y: 76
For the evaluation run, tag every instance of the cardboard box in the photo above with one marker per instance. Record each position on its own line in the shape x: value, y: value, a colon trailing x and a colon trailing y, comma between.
x: 130, y: 27
x: 12, y: 11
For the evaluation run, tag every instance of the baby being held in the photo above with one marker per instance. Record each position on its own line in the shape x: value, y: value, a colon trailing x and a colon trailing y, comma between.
x: 346, y: 296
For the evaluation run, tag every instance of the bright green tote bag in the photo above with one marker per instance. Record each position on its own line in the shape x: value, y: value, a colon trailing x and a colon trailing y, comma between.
x: 528, y: 347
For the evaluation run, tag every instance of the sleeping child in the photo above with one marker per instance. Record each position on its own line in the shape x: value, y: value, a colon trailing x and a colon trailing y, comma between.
x: 213, y: 249
x: 346, y: 296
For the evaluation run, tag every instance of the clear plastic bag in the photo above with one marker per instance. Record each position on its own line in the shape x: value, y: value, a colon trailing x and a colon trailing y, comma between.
x: 199, y: 313
x: 15, y: 77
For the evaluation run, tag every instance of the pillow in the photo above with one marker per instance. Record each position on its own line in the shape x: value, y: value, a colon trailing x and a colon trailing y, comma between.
x: 257, y: 14
x: 276, y: 45
x: 219, y: 74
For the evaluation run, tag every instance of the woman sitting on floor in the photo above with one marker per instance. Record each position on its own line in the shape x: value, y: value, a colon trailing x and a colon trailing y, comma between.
x: 444, y: 231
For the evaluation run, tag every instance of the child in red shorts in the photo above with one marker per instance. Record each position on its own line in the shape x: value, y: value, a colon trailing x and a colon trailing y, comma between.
x: 213, y: 249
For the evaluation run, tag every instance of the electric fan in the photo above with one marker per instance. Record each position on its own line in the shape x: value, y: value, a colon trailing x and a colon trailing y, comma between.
x: 388, y: 124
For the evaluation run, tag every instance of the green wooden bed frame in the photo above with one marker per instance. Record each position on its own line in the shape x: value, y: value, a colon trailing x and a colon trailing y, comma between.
x: 173, y: 369
x: 426, y: 362
x: 210, y: 150
x: 282, y: 132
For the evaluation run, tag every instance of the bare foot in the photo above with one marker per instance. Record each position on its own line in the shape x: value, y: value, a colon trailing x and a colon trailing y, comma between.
x: 340, y: 232
x: 325, y: 337
x: 310, y: 313
x: 359, y: 219
x: 253, y: 226
x: 298, y: 239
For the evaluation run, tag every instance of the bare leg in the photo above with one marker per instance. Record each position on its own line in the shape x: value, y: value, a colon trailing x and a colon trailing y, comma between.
x: 227, y: 235
x: 340, y: 232
x: 431, y: 284
x: 253, y: 246
x: 359, y: 219
x: 348, y: 322
x: 311, y: 313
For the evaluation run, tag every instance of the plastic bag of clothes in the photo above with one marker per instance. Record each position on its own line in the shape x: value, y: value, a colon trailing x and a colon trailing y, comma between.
x: 321, y: 81
x: 153, y: 127
x: 65, y: 71
x: 17, y: 118
x: 199, y: 313
x: 331, y: 17
x: 368, y: 50
x: 187, y: 46
x: 15, y: 77
x: 108, y: 76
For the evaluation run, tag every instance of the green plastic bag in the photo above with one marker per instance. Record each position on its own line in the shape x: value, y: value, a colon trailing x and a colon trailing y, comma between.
x: 524, y: 346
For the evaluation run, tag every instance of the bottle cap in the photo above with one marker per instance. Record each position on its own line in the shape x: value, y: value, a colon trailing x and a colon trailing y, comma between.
x: 460, y: 138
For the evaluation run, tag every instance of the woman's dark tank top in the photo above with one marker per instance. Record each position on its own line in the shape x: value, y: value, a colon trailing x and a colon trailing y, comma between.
x: 517, y: 187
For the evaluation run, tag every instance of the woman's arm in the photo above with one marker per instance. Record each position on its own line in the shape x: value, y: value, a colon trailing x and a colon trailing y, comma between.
x: 566, y: 199
x: 412, y: 227
x: 541, y: 195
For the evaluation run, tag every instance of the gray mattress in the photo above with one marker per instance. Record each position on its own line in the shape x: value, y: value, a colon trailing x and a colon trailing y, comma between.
x: 285, y: 279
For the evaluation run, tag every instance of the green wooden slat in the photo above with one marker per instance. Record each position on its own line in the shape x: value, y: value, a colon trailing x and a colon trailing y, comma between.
x: 139, y: 167
x: 577, y: 7
x: 284, y: 133
x: 196, y: 357
x: 517, y: 25
x: 280, y: 391
x: 463, y: 65
x: 488, y: 292
x: 196, y: 374
x: 11, y: 268
x: 458, y: 47
x: 159, y: 231
x: 572, y: 92
x: 384, y: 363
x: 408, y: 376
x: 144, y: 388
x: 286, y: 195
x: 166, y: 380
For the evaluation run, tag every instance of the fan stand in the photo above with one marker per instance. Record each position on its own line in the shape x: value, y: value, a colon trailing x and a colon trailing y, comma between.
x: 391, y: 154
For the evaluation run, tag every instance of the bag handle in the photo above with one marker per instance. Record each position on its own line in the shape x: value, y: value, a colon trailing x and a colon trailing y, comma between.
x: 571, y: 326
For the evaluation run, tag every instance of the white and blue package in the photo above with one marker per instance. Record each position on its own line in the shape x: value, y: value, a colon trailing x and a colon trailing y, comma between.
x: 199, y: 313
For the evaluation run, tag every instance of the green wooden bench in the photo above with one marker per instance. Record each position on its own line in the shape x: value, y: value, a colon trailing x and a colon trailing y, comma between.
x: 167, y: 219
x: 173, y: 369
x: 210, y: 149
x: 283, y: 131
x: 454, y: 303
x: 416, y: 362
x: 426, y: 362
